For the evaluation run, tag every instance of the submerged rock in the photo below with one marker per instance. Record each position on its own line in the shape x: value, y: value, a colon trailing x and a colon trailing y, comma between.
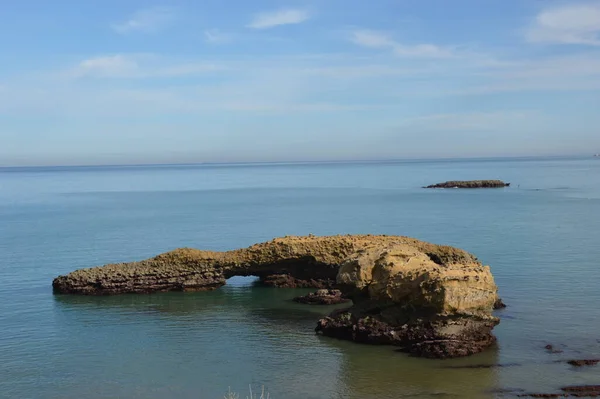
x: 431, y: 300
x: 582, y: 389
x: 552, y: 349
x: 470, y: 184
x: 322, y: 297
x: 584, y: 362
x: 484, y: 366
x: 573, y: 391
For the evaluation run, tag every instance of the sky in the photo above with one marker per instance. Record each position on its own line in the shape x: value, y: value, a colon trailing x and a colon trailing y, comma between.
x: 180, y: 81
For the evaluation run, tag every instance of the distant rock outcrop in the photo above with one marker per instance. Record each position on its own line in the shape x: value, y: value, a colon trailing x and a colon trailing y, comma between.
x: 470, y: 184
x: 431, y: 300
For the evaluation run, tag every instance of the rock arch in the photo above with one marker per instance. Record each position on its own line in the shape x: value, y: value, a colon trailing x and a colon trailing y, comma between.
x: 429, y: 299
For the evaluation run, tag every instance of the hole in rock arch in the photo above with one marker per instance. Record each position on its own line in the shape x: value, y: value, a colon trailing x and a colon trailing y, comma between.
x: 242, y: 281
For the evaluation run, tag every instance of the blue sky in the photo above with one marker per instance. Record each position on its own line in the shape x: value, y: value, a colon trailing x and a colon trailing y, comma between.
x: 112, y: 82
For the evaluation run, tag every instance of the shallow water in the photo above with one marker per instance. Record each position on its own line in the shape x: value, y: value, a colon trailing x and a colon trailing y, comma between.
x: 541, y: 237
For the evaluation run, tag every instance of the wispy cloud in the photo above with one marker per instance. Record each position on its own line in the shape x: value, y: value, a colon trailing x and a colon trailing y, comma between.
x: 361, y: 71
x: 215, y: 36
x: 569, y: 24
x: 292, y: 83
x: 378, y: 40
x: 271, y: 19
x: 147, y: 20
x: 478, y: 121
x: 137, y: 66
x: 576, y: 72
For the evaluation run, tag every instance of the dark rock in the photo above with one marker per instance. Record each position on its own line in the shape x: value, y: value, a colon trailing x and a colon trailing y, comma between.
x: 552, y: 349
x: 288, y: 281
x: 582, y: 391
x: 470, y: 184
x: 322, y: 297
x: 505, y: 391
x: 438, y: 337
x: 499, y: 304
x: 483, y: 366
x: 574, y: 391
x: 583, y: 362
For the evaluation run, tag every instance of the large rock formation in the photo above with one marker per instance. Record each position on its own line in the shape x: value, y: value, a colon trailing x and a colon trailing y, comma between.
x: 430, y: 304
x: 470, y: 184
x: 430, y: 300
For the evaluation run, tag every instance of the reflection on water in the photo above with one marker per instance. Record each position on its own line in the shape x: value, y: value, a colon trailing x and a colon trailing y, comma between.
x: 249, y: 327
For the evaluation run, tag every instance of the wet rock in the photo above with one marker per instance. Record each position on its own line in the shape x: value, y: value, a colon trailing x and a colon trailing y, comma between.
x: 498, y: 304
x: 583, y: 362
x: 470, y: 184
x: 582, y: 391
x: 322, y: 297
x: 574, y: 391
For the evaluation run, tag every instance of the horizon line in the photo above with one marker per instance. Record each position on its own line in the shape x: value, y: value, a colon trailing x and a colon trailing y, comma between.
x: 240, y: 163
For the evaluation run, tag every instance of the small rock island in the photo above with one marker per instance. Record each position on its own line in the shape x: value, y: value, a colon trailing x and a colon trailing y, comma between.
x: 429, y: 300
x: 470, y: 184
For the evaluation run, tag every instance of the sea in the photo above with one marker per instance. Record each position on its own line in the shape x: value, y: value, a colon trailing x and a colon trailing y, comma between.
x: 540, y: 236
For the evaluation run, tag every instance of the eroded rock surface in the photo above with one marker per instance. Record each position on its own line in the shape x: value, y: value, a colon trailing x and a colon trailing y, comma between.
x: 431, y: 300
x: 322, y: 297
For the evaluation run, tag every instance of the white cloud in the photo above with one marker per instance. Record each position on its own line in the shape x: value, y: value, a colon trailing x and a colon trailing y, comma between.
x: 368, y: 38
x: 378, y: 40
x: 271, y: 19
x: 570, y: 24
x: 107, y: 66
x: 215, y: 36
x: 147, y: 21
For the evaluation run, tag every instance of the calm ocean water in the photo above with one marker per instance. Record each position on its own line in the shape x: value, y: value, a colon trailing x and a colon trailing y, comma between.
x: 541, y: 237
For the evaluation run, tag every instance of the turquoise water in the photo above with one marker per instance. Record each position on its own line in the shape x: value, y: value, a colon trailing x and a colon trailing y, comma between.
x: 541, y: 237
